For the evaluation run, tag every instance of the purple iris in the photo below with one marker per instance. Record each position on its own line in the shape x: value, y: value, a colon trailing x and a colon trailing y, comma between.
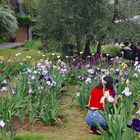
x: 13, y: 92
x: 30, y: 90
x: 42, y: 77
x: 135, y: 104
x: 98, y: 70
x: 116, y: 81
x: 79, y: 66
x: 117, y: 71
x: 135, y: 125
x: 126, y: 76
x: 82, y: 77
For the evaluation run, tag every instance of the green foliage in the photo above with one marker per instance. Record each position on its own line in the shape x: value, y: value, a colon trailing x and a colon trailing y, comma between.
x: 34, y: 44
x: 25, y: 20
x: 8, y: 22
x: 112, y: 50
x: 54, y: 46
x: 2, y: 39
x: 65, y: 21
x: 11, y: 69
x: 41, y: 104
x: 85, y: 89
x: 29, y: 137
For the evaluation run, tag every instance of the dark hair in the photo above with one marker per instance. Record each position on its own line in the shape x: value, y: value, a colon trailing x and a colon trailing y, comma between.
x: 109, y: 83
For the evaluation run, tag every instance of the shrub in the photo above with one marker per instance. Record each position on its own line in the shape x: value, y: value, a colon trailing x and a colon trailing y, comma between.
x: 112, y: 50
x: 26, y: 20
x: 35, y: 44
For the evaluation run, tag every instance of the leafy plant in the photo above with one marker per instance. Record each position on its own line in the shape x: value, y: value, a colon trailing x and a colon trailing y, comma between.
x: 8, y: 22
x: 112, y: 50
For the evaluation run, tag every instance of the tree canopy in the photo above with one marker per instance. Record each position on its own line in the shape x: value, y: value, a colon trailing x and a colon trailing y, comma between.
x: 8, y: 22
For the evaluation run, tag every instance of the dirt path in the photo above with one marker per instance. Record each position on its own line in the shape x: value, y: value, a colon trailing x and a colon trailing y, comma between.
x: 73, y: 126
x: 10, y: 45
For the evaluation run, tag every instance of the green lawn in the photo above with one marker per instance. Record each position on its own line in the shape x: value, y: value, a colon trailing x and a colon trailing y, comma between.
x: 35, y: 55
x: 47, y: 137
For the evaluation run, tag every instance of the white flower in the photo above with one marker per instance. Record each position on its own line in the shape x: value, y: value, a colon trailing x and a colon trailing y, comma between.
x: 30, y: 90
x: 40, y: 88
x: 117, y: 57
x: 44, y: 72
x: 103, y: 81
x: 29, y: 71
x: 91, y: 71
x: 127, y: 92
x: 138, y: 112
x: 28, y: 56
x: 58, y: 56
x: 33, y: 77
x: 106, y: 94
x: 35, y: 72
x: 49, y: 83
x: 21, y: 64
x: 53, y: 54
x: 42, y: 66
x: 136, y: 63
x: 67, y: 56
x: 87, y: 66
x: 78, y: 94
x: 4, y: 82
x: 29, y: 82
x: 54, y: 67
x: 2, y: 124
x: 135, y: 75
x: 81, y: 52
x: 109, y: 116
x: 110, y: 99
x: 43, y: 55
x: 17, y: 54
x: 88, y: 81
x: 102, y: 100
x: 4, y: 89
x: 127, y: 81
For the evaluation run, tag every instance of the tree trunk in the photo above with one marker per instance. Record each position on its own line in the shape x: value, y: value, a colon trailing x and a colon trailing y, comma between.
x: 99, y: 47
x: 78, y: 42
x: 116, y: 15
x: 87, y: 48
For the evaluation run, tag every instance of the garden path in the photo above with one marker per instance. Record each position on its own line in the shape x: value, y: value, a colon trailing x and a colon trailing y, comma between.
x: 10, y: 45
x: 73, y: 122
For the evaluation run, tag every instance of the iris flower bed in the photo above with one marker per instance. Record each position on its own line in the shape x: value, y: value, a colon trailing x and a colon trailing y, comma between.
x: 36, y: 93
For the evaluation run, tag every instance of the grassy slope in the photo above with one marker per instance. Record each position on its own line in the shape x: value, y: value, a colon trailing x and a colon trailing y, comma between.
x: 10, y: 54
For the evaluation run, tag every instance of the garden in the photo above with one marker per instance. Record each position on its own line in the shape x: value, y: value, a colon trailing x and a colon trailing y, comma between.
x: 45, y: 83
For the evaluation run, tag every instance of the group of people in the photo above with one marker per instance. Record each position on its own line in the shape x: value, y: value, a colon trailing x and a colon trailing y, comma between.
x: 96, y: 106
x: 131, y: 51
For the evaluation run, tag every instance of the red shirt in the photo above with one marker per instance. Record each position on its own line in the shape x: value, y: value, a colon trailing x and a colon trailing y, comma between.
x: 95, y: 98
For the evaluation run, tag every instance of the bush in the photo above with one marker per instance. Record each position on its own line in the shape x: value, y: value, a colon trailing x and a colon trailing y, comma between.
x: 35, y: 44
x: 112, y: 50
x: 26, y: 20
x: 54, y: 46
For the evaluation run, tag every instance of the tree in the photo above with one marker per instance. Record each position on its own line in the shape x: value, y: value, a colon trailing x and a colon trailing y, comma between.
x: 8, y: 22
x: 68, y: 20
x: 65, y: 20
x: 124, y: 28
x: 30, y: 7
